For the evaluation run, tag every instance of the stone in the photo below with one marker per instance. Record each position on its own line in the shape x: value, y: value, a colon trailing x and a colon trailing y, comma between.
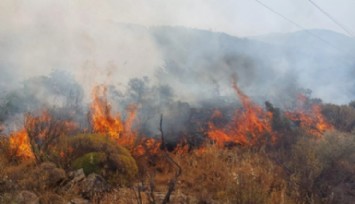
x: 77, y: 175
x: 51, y: 174
x: 74, y: 178
x: 78, y: 201
x: 52, y: 198
x: 93, y: 185
x: 27, y: 197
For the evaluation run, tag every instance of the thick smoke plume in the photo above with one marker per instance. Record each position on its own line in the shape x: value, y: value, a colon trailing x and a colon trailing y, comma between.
x: 53, y: 55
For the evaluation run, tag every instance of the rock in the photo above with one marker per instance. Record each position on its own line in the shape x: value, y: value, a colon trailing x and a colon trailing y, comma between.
x: 78, y: 201
x: 27, y: 197
x: 52, y: 198
x: 51, y: 175
x: 77, y: 175
x: 93, y: 185
x: 88, y: 187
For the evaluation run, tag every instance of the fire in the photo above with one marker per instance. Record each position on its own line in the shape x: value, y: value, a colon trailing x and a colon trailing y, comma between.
x: 309, y: 118
x: 112, y: 125
x: 248, y: 127
x: 117, y: 129
x: 20, y: 144
x: 40, y: 130
x: 148, y: 146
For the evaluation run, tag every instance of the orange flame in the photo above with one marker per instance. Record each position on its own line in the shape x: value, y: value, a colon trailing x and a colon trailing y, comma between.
x: 248, y: 126
x: 20, y: 145
x: 112, y: 125
x: 148, y: 146
x: 310, y: 119
x: 42, y: 127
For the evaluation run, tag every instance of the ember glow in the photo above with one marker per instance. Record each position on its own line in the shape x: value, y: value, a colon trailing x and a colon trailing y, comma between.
x: 147, y: 146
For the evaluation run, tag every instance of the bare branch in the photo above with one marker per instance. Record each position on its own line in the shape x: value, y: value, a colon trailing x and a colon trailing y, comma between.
x: 172, y: 182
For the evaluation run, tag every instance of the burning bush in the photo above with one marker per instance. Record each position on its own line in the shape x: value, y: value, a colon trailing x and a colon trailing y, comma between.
x: 42, y: 134
x: 245, y: 155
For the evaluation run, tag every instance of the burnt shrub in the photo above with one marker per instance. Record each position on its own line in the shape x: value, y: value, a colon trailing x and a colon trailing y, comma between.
x: 341, y: 117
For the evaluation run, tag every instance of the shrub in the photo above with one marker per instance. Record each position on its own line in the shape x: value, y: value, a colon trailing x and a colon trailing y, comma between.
x: 305, y: 167
x: 90, y: 162
x: 342, y: 117
x: 232, y: 176
x: 318, y: 166
x: 98, y: 153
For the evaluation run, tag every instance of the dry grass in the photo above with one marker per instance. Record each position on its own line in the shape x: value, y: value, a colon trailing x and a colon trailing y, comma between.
x: 312, y: 171
x: 231, y: 176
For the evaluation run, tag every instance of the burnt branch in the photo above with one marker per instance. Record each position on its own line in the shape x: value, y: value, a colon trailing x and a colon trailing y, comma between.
x: 151, y: 190
x: 178, y: 169
x: 163, y: 146
x: 42, y: 132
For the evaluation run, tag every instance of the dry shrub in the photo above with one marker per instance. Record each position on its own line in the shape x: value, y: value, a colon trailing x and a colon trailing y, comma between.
x: 5, y: 152
x: 29, y: 176
x: 16, y: 179
x: 305, y: 167
x: 231, y: 176
x: 342, y: 117
x: 121, y: 196
x: 336, y: 183
x: 52, y: 198
x: 7, y: 197
x: 318, y: 166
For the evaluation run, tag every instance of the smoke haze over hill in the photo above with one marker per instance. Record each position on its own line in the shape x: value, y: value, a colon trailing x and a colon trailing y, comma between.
x: 52, y: 50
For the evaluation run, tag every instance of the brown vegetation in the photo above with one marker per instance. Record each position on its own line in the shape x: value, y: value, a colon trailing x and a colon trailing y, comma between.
x: 288, y: 162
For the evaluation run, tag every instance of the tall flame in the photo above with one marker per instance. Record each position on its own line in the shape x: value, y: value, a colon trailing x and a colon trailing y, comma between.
x: 248, y: 126
x: 104, y: 122
x: 20, y: 144
x: 309, y: 118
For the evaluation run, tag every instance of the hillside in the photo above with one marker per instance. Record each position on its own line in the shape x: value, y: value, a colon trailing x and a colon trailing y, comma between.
x: 293, y: 60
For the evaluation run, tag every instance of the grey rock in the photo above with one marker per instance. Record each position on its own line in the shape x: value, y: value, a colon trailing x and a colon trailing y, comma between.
x: 93, y: 185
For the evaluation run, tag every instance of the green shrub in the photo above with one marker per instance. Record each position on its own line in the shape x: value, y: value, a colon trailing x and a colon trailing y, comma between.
x: 90, y: 162
x: 98, y: 153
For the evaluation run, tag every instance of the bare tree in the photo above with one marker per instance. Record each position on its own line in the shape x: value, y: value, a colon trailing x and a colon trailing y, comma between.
x: 43, y: 131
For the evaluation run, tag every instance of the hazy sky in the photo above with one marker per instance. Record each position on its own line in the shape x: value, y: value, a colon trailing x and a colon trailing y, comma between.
x: 236, y: 17
x: 83, y: 36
